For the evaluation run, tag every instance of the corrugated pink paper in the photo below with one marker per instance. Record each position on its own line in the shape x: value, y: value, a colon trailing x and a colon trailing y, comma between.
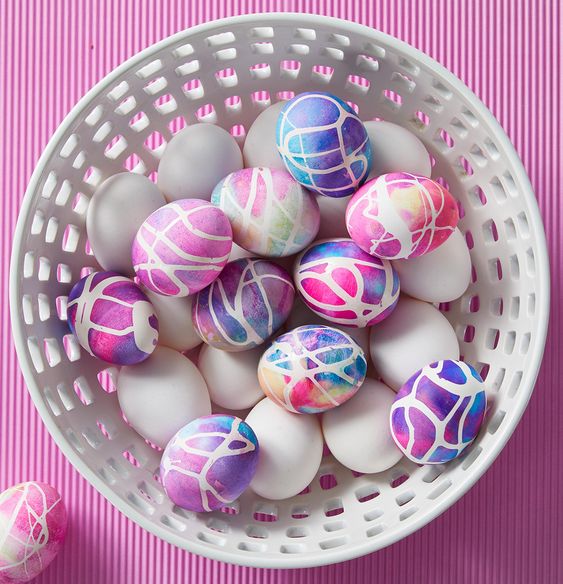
x: 509, y: 528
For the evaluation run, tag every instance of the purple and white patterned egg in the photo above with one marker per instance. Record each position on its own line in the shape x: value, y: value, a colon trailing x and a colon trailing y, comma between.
x: 247, y: 303
x: 33, y: 525
x: 345, y: 285
x: 438, y: 412
x: 182, y: 247
x: 324, y: 144
x: 112, y: 318
x: 401, y: 215
x: 271, y: 214
x: 209, y: 462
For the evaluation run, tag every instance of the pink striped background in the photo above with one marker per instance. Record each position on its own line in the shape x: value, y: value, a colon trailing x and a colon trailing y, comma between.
x: 509, y: 528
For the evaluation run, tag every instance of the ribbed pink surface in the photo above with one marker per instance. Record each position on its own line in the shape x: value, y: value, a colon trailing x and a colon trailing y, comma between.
x: 509, y: 528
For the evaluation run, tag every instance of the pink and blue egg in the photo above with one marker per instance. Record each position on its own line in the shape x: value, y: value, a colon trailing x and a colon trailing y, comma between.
x: 33, y: 526
x: 401, y: 215
x: 182, y: 247
x: 345, y: 285
x: 311, y: 369
x: 112, y: 318
x: 247, y: 303
x: 438, y: 412
x: 324, y: 144
x: 209, y: 462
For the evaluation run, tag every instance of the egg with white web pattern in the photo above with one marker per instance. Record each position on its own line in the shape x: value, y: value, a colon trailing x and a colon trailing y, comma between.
x: 112, y: 318
x: 209, y: 462
x: 324, y: 144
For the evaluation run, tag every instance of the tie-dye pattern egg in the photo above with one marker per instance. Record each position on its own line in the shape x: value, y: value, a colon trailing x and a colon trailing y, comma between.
x: 345, y: 285
x: 182, y: 247
x: 112, y: 318
x: 247, y: 303
x: 438, y: 412
x: 401, y: 215
x: 312, y: 368
x: 324, y: 144
x: 271, y: 214
x: 209, y: 462
x: 33, y: 524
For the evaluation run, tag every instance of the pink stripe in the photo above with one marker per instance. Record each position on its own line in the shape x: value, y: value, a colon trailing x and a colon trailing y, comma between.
x: 509, y: 528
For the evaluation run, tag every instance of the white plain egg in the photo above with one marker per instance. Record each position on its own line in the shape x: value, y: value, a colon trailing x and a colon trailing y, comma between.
x: 260, y: 144
x: 175, y: 326
x: 395, y: 149
x: 115, y: 213
x: 357, y: 432
x: 439, y: 276
x: 195, y: 160
x: 333, y: 217
x: 413, y: 336
x: 238, y: 252
x: 232, y: 378
x: 291, y: 450
x: 162, y: 394
x: 301, y: 314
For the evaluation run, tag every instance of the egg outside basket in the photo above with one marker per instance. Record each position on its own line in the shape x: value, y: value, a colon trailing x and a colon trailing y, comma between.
x: 226, y: 72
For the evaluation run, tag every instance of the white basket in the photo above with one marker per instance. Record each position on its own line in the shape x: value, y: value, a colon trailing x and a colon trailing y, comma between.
x: 501, y: 320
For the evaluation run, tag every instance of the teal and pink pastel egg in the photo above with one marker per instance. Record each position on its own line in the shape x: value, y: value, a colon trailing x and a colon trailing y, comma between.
x: 112, y: 318
x: 324, y: 144
x: 33, y: 525
x: 345, y: 285
x: 271, y: 214
x: 401, y: 215
x: 244, y: 306
x: 312, y: 368
x: 182, y: 247
x: 209, y: 462
x: 438, y: 412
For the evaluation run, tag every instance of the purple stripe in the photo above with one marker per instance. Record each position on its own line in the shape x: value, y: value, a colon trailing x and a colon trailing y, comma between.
x: 508, y: 529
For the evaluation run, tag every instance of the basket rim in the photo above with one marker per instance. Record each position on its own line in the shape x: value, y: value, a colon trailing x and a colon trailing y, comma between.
x: 319, y: 557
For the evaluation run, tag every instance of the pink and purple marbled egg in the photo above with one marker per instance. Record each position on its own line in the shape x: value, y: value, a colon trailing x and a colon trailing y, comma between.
x: 401, y: 215
x: 209, y: 462
x: 33, y: 524
x: 182, y: 247
x: 271, y: 214
x: 112, y: 318
x: 247, y: 303
x: 345, y: 285
x: 438, y: 412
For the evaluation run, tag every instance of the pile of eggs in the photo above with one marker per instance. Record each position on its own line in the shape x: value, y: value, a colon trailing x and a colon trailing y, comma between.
x: 285, y: 291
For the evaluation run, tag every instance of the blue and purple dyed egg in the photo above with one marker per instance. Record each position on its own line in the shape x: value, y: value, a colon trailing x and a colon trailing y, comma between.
x: 244, y: 306
x: 345, y: 285
x: 112, y: 318
x: 324, y: 144
x: 438, y: 412
x: 209, y: 462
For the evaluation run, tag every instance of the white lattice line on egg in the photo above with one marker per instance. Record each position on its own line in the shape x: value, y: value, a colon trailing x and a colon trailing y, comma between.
x: 351, y: 265
x: 344, y: 165
x: 140, y: 310
x: 34, y: 542
x: 222, y: 451
x: 399, y: 230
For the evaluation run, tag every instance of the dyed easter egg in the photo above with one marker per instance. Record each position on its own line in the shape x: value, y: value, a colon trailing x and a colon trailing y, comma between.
x: 401, y: 215
x: 33, y: 524
x: 345, y: 285
x: 438, y: 412
x: 112, y: 318
x: 312, y: 368
x: 209, y: 462
x: 324, y: 144
x: 182, y: 247
x: 270, y: 212
x: 247, y: 303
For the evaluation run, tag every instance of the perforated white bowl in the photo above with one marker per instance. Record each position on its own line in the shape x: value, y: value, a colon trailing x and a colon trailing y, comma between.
x: 500, y: 321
